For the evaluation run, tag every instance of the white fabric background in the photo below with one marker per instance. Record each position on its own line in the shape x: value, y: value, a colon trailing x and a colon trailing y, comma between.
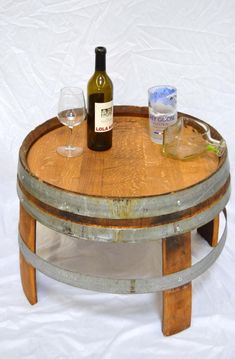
x: 47, y: 44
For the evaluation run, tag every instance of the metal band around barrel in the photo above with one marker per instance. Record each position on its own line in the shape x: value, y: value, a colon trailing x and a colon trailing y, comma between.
x: 115, y: 208
x: 123, y: 234
x: 124, y: 286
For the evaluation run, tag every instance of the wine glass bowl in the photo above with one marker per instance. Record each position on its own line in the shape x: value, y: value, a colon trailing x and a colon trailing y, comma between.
x: 71, y: 113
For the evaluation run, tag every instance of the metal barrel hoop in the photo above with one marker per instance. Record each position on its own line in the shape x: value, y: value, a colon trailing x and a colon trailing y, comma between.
x: 127, y: 208
x: 125, y: 286
x: 123, y: 234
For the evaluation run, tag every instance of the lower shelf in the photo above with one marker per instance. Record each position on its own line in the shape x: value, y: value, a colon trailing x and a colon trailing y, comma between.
x: 124, y: 286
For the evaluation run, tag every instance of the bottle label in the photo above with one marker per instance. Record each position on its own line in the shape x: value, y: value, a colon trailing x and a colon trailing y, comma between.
x: 103, y: 116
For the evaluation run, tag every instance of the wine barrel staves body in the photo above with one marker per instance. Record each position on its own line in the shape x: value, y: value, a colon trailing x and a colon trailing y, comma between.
x: 128, y: 194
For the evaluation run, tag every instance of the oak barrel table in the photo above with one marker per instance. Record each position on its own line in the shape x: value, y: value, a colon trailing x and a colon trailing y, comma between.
x: 128, y: 194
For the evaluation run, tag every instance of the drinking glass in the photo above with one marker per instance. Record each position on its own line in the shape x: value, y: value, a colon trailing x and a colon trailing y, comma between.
x: 162, y: 102
x: 71, y: 113
x: 189, y: 138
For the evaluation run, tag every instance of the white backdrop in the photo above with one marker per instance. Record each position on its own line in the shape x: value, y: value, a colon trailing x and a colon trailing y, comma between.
x: 47, y: 44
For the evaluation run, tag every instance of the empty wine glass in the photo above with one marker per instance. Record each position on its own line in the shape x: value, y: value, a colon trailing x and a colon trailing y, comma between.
x: 71, y: 113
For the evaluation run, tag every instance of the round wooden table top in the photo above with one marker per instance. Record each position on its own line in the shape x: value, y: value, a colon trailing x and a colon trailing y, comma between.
x: 133, y: 167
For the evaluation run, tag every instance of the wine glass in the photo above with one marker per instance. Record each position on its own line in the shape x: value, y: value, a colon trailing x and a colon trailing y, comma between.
x: 71, y: 113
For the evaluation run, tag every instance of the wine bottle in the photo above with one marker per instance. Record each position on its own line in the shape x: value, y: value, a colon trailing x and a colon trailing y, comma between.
x: 100, y: 105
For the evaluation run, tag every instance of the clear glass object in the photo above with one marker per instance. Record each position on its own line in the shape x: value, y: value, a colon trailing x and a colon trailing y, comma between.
x: 162, y: 103
x: 189, y: 138
x: 71, y: 113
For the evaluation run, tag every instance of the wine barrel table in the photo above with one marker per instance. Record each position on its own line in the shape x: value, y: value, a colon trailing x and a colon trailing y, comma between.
x: 128, y: 194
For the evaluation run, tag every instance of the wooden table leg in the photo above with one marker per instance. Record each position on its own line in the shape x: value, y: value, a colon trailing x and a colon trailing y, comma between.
x: 27, y: 228
x: 177, y: 302
x: 210, y: 231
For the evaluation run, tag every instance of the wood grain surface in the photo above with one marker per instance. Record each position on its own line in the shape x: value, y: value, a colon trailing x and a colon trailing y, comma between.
x: 133, y: 167
x: 210, y: 232
x: 27, y: 228
x: 177, y: 303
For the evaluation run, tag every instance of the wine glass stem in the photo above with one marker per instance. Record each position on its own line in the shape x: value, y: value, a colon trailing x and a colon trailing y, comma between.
x: 70, y: 136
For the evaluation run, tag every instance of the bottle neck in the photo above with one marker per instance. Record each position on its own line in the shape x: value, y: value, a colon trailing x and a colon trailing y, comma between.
x: 100, y: 63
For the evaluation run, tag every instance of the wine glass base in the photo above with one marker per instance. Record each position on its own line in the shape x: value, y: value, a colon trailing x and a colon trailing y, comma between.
x: 69, y: 151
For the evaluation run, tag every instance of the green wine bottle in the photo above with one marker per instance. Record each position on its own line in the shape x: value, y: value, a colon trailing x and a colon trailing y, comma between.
x: 100, y: 105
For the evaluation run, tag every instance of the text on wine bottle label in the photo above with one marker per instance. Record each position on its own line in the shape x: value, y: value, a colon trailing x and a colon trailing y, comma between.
x: 103, y: 116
